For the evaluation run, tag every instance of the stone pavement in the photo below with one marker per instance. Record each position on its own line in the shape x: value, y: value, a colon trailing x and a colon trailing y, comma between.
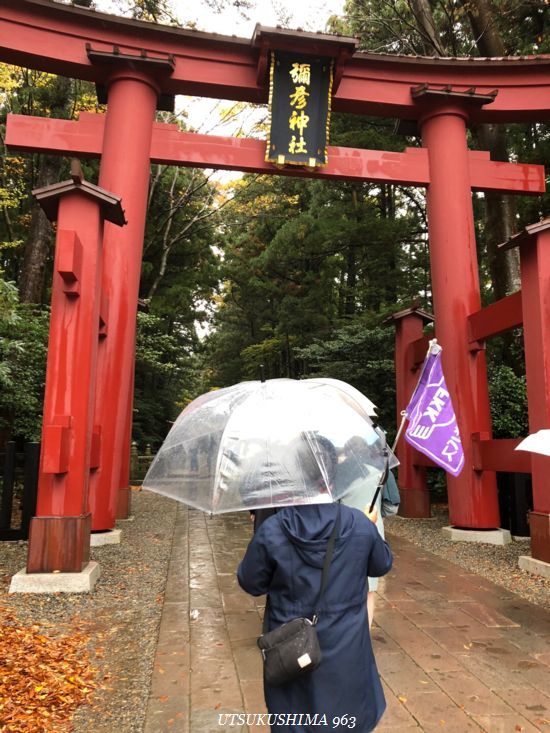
x: 455, y: 652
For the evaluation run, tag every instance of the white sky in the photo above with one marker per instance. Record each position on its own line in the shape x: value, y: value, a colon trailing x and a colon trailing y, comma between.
x: 306, y: 14
x: 310, y: 15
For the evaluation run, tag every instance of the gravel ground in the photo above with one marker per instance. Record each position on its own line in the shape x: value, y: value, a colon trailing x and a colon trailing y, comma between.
x: 122, y: 616
x: 497, y: 564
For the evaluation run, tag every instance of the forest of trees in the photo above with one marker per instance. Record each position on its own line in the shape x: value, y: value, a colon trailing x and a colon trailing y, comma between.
x: 296, y: 275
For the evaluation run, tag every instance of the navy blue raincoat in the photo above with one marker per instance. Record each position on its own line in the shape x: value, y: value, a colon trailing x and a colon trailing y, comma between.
x: 285, y: 559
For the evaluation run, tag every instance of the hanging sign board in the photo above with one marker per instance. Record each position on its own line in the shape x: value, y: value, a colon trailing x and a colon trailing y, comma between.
x: 299, y: 103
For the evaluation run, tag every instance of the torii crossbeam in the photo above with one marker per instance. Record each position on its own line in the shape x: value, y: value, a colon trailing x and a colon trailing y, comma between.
x: 171, y: 146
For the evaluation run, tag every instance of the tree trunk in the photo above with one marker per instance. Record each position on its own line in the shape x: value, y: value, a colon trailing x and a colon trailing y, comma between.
x: 481, y: 15
x: 351, y: 264
x: 39, y: 238
x: 424, y: 19
x: 387, y: 200
x: 37, y: 245
x: 500, y: 210
x: 499, y: 226
x: 500, y: 220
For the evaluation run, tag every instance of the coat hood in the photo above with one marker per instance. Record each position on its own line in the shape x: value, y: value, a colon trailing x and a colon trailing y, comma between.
x: 308, y: 528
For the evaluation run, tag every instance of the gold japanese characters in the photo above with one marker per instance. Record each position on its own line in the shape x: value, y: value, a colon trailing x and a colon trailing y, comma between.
x: 299, y: 103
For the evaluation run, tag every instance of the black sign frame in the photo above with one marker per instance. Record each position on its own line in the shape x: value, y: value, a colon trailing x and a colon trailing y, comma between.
x: 300, y: 92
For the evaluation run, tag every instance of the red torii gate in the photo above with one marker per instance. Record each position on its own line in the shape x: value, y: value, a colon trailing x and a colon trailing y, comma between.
x: 139, y: 66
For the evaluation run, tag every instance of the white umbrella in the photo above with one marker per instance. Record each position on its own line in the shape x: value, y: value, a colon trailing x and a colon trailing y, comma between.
x: 266, y: 444
x: 536, y: 443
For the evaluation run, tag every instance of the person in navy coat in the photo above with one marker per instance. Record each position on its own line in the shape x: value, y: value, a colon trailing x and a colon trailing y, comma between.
x: 284, y: 559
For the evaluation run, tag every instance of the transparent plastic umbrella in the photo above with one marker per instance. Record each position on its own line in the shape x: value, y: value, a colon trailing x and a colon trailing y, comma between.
x: 358, y: 400
x: 267, y: 444
x: 354, y: 480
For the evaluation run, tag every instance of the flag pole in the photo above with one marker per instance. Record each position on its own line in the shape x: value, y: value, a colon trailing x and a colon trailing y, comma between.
x: 433, y: 349
x: 403, y: 419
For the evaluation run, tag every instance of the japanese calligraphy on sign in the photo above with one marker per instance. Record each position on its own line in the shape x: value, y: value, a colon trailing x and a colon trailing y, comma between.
x: 299, y: 104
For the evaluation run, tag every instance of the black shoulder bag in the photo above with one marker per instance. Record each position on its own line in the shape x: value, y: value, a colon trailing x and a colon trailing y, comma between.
x: 293, y: 650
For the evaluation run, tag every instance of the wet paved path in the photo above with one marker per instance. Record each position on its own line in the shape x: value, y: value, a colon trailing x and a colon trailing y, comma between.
x: 455, y: 652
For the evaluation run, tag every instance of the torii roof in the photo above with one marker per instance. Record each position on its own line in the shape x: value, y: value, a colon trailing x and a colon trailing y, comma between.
x: 52, y: 36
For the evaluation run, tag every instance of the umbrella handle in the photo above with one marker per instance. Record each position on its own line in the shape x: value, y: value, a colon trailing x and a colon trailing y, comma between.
x: 381, y: 482
x: 379, y: 487
x: 375, y: 498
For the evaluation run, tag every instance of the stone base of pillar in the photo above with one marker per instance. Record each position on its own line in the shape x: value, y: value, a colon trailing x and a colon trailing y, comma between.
x: 539, y: 528
x: 415, y: 504
x: 123, y: 503
x: 59, y: 544
x: 537, y: 567
x: 109, y: 537
x: 82, y: 582
x: 487, y: 536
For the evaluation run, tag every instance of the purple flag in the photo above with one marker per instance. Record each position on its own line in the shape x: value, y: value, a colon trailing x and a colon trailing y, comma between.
x: 432, y: 422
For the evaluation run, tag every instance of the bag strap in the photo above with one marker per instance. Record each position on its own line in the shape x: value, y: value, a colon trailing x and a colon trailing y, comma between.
x: 326, y: 564
x: 266, y: 613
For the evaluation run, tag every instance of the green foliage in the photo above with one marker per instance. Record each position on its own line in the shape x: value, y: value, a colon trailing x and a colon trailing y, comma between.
x: 179, y: 268
x: 302, y: 258
x: 23, y: 348
x: 166, y: 378
x: 392, y: 27
x: 508, y: 395
x: 8, y: 301
x: 30, y: 92
x: 179, y: 273
x: 360, y: 353
x: 156, y: 11
x: 266, y: 358
x: 8, y: 317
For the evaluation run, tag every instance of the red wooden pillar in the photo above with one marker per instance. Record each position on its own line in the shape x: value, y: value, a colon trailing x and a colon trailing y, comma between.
x: 534, y: 247
x: 60, y: 533
x: 409, y: 329
x: 473, y: 502
x: 132, y: 96
x: 123, y: 495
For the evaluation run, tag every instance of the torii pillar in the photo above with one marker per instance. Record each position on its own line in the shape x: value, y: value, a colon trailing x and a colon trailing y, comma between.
x: 534, y: 250
x: 473, y: 500
x: 132, y: 98
x: 59, y: 538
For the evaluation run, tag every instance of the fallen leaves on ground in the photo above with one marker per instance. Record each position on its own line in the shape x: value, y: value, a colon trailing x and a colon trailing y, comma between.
x: 43, y: 679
